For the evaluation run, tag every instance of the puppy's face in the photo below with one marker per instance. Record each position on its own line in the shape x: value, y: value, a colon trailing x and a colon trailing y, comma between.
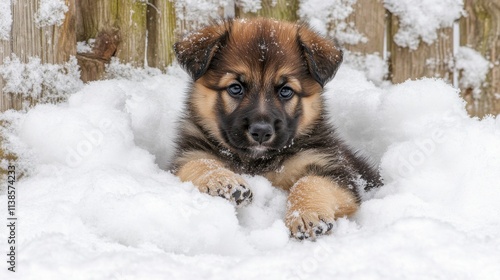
x: 257, y: 83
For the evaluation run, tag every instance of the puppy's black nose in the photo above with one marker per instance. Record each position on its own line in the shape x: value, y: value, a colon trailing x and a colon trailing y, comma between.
x: 261, y: 132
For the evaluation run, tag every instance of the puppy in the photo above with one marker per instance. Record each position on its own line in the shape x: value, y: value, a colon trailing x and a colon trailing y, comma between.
x: 255, y: 107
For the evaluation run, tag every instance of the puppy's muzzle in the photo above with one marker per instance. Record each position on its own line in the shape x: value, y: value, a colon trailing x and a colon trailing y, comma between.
x: 261, y: 132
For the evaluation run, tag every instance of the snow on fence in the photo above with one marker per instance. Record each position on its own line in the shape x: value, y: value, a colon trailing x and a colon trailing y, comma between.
x: 457, y: 40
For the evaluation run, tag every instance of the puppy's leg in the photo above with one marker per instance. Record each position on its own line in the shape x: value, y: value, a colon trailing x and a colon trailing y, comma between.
x: 313, y: 205
x: 210, y: 176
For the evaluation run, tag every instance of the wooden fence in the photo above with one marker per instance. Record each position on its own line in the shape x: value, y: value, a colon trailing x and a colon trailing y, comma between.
x: 120, y: 29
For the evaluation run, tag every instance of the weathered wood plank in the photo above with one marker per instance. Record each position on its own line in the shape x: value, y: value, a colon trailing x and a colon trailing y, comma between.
x: 119, y: 30
x: 95, y: 16
x: 480, y: 30
x: 427, y: 61
x: 26, y: 41
x: 370, y: 19
x: 52, y: 44
x: 132, y: 18
x: 161, y: 33
x: 65, y: 35
x: 5, y: 50
x: 278, y: 9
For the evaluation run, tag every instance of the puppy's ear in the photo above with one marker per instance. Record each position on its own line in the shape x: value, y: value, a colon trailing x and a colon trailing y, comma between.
x: 323, y: 57
x: 197, y: 49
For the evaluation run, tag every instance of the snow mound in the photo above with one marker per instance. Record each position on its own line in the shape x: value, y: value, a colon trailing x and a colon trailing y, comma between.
x: 97, y: 201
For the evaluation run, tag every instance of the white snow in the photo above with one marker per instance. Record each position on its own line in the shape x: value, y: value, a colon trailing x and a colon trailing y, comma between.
x: 421, y: 19
x: 5, y: 20
x: 46, y: 82
x: 332, y: 15
x: 373, y: 65
x: 96, y: 204
x: 192, y: 14
x: 248, y: 6
x: 473, y: 69
x: 85, y: 46
x: 96, y: 201
x: 50, y: 12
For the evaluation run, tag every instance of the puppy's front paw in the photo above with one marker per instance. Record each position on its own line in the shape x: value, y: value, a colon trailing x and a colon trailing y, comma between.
x: 304, y: 224
x: 211, y: 177
x: 314, y: 203
x: 226, y: 184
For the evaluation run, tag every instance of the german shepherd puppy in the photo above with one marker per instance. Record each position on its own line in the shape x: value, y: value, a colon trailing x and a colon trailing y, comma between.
x: 255, y: 107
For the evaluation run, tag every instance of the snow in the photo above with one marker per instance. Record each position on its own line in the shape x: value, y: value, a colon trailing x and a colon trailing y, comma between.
x: 421, y: 19
x: 85, y: 46
x: 5, y: 20
x: 192, y: 14
x: 96, y: 200
x: 474, y: 69
x: 373, y: 65
x: 44, y: 81
x: 50, y: 12
x: 248, y: 6
x: 331, y: 15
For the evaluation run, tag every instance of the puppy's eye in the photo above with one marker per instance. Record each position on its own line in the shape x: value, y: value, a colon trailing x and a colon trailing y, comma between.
x: 235, y: 90
x: 286, y: 92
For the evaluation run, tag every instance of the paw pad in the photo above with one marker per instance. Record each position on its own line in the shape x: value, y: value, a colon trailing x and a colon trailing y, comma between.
x: 223, y: 183
x: 308, y: 226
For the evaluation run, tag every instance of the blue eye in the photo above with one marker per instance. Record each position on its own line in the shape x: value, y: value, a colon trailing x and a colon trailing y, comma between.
x: 235, y: 90
x: 286, y: 92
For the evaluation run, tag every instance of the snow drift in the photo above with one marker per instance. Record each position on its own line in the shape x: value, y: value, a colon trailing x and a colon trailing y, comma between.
x: 98, y: 204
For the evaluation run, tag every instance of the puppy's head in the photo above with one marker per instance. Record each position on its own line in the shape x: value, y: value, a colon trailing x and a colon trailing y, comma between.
x: 257, y: 82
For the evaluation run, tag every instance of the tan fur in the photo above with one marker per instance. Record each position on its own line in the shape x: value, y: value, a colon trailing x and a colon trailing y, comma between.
x: 314, y: 200
x: 205, y: 101
x: 193, y: 156
x: 294, y: 83
x: 227, y: 79
x: 229, y: 103
x: 311, y: 107
x: 292, y: 105
x: 209, y: 176
x: 294, y: 168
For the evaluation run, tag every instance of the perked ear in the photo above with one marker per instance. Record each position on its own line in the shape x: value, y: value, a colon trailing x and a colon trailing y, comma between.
x: 323, y: 56
x: 197, y: 49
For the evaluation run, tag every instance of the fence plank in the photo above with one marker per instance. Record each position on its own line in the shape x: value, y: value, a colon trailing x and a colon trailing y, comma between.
x: 278, y: 9
x: 5, y: 50
x: 161, y: 33
x: 119, y: 29
x: 369, y: 18
x: 95, y: 16
x: 132, y: 18
x: 481, y: 30
x: 52, y: 44
x: 427, y: 61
